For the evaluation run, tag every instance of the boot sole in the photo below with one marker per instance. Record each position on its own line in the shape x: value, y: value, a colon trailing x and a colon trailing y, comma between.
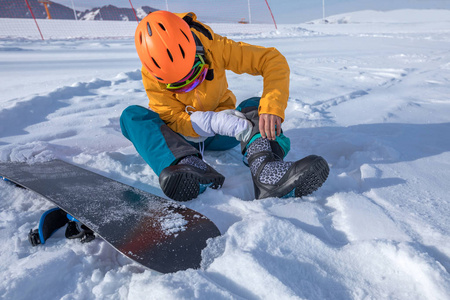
x: 187, y: 186
x: 313, y: 178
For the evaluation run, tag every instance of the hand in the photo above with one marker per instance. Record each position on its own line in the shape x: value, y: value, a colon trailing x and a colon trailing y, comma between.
x: 267, y: 124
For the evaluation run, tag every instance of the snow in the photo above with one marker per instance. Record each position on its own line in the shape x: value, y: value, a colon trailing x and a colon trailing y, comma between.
x: 370, y: 94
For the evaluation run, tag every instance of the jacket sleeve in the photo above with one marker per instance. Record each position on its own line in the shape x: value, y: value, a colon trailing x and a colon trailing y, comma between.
x: 170, y: 110
x: 241, y: 58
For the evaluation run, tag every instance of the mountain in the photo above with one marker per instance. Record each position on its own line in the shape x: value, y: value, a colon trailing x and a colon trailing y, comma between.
x: 111, y: 12
x: 19, y: 9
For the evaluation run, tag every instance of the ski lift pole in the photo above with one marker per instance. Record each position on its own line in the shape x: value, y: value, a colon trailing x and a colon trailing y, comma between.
x: 32, y: 14
x: 323, y: 10
x: 272, y: 15
x: 137, y: 20
x: 249, y: 13
x: 74, y: 11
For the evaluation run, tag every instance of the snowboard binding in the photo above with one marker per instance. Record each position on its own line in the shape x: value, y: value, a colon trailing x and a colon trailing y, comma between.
x: 76, y: 230
x: 54, y: 219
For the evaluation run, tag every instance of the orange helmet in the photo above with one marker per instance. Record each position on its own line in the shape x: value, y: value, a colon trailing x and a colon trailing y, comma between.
x: 165, y: 45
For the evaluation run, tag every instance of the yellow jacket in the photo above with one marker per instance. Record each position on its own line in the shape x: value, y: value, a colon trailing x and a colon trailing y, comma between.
x: 213, y: 95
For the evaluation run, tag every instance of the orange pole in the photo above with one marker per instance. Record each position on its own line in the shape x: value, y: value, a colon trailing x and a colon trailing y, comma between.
x: 47, y: 11
x: 45, y: 2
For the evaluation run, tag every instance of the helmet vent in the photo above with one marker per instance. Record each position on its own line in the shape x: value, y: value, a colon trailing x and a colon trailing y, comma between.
x: 182, y: 51
x: 185, y: 35
x: 154, y: 61
x: 162, y: 26
x: 140, y: 38
x: 149, y: 29
x: 170, y: 55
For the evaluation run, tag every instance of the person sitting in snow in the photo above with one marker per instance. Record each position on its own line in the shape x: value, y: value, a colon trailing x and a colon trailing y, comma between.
x: 191, y: 110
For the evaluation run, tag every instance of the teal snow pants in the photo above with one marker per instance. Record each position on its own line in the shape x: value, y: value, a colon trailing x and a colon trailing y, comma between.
x: 161, y: 147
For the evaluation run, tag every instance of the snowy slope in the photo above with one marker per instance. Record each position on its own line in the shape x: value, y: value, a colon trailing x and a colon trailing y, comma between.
x: 370, y: 94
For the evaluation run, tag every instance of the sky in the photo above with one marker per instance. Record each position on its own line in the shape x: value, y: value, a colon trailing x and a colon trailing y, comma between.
x: 285, y: 11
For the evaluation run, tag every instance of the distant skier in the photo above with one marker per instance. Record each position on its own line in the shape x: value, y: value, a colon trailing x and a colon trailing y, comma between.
x: 191, y: 110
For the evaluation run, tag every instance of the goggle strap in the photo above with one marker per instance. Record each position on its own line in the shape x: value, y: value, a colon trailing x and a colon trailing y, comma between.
x: 200, y: 56
x: 171, y: 87
x: 198, y: 44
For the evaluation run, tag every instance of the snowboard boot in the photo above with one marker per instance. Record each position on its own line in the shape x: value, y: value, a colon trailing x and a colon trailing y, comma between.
x: 189, y: 178
x: 273, y: 177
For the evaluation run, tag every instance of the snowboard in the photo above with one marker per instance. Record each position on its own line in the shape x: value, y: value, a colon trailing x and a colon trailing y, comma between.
x: 160, y: 234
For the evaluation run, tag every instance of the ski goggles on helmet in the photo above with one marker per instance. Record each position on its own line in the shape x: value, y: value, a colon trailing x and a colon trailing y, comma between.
x: 193, y: 79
